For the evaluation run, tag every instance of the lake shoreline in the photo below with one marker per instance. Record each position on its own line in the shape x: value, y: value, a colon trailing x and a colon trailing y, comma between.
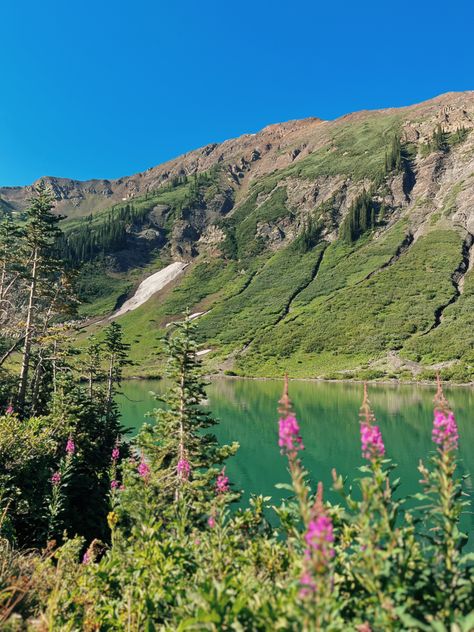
x: 393, y: 382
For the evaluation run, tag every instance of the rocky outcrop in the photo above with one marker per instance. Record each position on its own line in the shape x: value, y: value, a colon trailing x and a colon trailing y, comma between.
x: 248, y: 157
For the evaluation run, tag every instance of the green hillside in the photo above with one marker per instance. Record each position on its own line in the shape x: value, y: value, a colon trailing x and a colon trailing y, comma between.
x: 352, y: 260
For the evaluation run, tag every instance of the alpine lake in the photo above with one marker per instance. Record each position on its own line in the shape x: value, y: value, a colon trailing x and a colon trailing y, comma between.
x: 328, y: 414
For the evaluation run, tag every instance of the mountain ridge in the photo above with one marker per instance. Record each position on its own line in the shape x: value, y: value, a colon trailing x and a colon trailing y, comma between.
x: 79, y: 197
x: 339, y: 249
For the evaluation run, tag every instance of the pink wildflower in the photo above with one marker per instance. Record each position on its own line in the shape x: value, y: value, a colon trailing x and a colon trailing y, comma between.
x: 372, y: 442
x: 115, y: 453
x: 56, y: 478
x: 211, y: 522
x: 289, y: 438
x: 70, y: 447
x: 445, y: 431
x: 222, y: 483
x: 114, y: 484
x: 9, y: 410
x: 308, y: 585
x: 144, y: 470
x: 86, y: 558
x: 319, y: 539
x: 183, y: 469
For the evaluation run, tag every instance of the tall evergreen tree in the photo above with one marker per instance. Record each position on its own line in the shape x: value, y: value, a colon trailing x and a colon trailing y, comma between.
x: 41, y: 234
x: 116, y: 356
x: 180, y: 451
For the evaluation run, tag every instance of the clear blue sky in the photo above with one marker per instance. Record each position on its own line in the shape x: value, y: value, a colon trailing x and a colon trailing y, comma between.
x: 104, y: 89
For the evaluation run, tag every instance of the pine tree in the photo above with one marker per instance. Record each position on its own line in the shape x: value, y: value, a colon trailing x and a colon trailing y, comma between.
x: 183, y: 457
x: 41, y: 235
x: 116, y: 356
x: 439, y: 139
x: 11, y: 278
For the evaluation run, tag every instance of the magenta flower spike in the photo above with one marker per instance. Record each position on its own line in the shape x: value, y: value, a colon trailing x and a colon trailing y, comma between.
x: 289, y: 438
x: 183, y: 469
x: 445, y: 431
x: 114, y: 484
x: 371, y: 441
x: 372, y: 444
x: 222, y: 483
x: 9, y: 410
x: 115, y: 453
x: 56, y: 478
x: 143, y: 469
x: 319, y: 539
x: 211, y: 522
x: 70, y: 447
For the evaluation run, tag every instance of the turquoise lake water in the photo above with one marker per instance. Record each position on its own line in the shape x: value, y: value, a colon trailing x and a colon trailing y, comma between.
x: 328, y: 417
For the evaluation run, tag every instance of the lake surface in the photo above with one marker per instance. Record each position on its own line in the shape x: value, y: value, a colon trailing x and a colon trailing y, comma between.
x: 328, y: 417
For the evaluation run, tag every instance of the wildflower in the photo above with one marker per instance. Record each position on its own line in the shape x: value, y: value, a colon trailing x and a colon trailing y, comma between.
x: 9, y: 410
x: 372, y: 442
x: 183, y: 469
x: 70, y: 447
x: 319, y: 539
x: 308, y: 585
x: 289, y: 438
x: 445, y: 431
x: 86, y: 558
x: 370, y: 435
x: 143, y: 469
x: 211, y: 522
x: 115, y: 453
x: 56, y: 478
x: 114, y: 484
x: 222, y: 483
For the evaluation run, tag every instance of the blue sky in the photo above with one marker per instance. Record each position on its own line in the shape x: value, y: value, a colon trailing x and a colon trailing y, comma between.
x: 104, y: 89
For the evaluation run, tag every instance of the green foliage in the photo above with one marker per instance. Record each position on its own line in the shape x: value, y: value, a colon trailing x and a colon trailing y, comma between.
x: 179, y: 446
x: 365, y: 563
x: 360, y: 218
x: 368, y: 316
x: 393, y: 157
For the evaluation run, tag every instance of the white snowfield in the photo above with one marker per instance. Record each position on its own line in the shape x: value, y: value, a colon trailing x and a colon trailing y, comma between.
x: 151, y: 285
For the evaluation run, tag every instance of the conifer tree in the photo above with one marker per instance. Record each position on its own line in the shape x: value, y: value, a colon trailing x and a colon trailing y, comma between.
x: 41, y: 234
x: 181, y: 454
x: 116, y: 356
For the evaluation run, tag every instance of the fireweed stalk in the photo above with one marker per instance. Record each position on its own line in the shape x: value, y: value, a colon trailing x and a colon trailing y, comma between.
x: 319, y: 551
x: 443, y: 491
x: 59, y: 481
x: 113, y: 473
x: 290, y: 443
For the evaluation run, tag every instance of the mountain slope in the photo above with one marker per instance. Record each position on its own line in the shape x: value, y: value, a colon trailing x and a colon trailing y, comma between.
x: 340, y: 248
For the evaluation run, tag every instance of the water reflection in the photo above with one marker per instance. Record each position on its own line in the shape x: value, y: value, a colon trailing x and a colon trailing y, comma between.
x: 328, y: 416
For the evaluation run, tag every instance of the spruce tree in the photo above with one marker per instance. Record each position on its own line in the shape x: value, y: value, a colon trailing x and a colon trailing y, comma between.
x: 116, y: 356
x: 41, y: 234
x: 181, y: 454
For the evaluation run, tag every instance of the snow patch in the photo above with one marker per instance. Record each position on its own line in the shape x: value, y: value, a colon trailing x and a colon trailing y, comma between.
x: 151, y: 285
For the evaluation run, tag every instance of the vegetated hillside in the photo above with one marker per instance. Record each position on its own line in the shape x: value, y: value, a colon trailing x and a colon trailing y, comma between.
x: 335, y: 249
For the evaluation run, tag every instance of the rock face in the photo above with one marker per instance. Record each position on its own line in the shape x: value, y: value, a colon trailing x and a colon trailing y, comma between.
x: 253, y: 156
